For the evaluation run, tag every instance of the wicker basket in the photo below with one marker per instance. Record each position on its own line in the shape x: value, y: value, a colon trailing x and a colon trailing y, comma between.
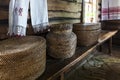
x: 61, y: 41
x: 22, y: 58
x: 62, y: 29
x: 87, y: 34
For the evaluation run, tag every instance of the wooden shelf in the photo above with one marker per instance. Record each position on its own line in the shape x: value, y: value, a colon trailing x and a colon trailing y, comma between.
x: 56, y: 68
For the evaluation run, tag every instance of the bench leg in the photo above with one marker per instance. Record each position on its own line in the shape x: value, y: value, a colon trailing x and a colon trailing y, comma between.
x: 100, y: 48
x: 110, y: 46
x: 62, y: 76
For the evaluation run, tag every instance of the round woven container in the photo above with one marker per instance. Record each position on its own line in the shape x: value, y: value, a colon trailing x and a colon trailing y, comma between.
x: 22, y: 58
x: 61, y: 46
x: 61, y: 41
x: 87, y: 34
x: 62, y: 29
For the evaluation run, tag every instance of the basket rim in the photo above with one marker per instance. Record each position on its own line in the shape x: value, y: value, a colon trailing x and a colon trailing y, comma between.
x: 7, y: 49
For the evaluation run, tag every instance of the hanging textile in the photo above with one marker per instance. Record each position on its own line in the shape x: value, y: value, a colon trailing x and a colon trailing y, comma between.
x: 18, y: 13
x: 104, y: 11
x: 110, y: 9
x: 114, y: 9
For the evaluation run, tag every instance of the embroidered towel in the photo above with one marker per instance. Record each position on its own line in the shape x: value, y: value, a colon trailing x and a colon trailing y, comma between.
x: 114, y: 9
x: 104, y: 12
x: 110, y: 9
x: 18, y: 12
x: 39, y: 14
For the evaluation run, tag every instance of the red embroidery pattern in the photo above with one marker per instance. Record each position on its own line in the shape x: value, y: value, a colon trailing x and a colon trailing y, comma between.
x: 19, y: 11
x: 16, y: 10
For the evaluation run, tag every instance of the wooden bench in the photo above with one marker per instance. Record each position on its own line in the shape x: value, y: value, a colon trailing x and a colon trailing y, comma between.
x: 57, y: 68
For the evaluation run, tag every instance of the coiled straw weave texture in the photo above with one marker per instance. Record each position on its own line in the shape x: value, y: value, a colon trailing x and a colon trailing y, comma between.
x: 22, y: 58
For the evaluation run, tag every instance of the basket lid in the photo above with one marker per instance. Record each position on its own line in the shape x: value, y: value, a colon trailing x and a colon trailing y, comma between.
x: 61, y: 27
x: 16, y: 45
x: 87, y: 26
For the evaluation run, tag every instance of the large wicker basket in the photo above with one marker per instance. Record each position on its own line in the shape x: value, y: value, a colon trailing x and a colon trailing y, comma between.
x: 22, y: 58
x: 61, y: 41
x: 87, y: 34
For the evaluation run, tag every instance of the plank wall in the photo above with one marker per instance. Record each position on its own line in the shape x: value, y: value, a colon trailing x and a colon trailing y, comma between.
x: 60, y: 11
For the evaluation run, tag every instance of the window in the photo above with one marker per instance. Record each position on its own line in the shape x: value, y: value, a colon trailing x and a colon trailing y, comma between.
x: 90, y: 11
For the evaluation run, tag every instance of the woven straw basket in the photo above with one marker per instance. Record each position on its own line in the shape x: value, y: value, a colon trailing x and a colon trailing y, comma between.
x: 61, y: 41
x: 62, y: 29
x: 87, y: 34
x: 22, y: 58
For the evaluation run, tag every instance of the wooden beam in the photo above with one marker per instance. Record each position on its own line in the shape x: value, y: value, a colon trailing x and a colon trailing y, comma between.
x: 64, y: 14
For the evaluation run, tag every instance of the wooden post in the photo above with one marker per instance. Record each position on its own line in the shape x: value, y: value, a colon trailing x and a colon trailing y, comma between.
x: 62, y: 76
x: 100, y: 48
x: 110, y: 46
x: 82, y: 16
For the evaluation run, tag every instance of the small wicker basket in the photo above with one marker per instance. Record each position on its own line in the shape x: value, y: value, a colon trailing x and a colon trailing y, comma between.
x: 87, y: 34
x: 64, y: 29
x: 61, y: 41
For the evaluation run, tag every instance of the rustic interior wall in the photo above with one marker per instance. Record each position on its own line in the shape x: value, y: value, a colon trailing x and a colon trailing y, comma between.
x: 99, y: 10
x: 60, y: 11
x: 64, y: 11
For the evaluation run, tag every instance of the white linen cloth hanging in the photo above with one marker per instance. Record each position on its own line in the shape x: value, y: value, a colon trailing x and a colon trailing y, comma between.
x: 114, y: 9
x: 18, y: 13
x: 104, y: 9
x: 110, y: 10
